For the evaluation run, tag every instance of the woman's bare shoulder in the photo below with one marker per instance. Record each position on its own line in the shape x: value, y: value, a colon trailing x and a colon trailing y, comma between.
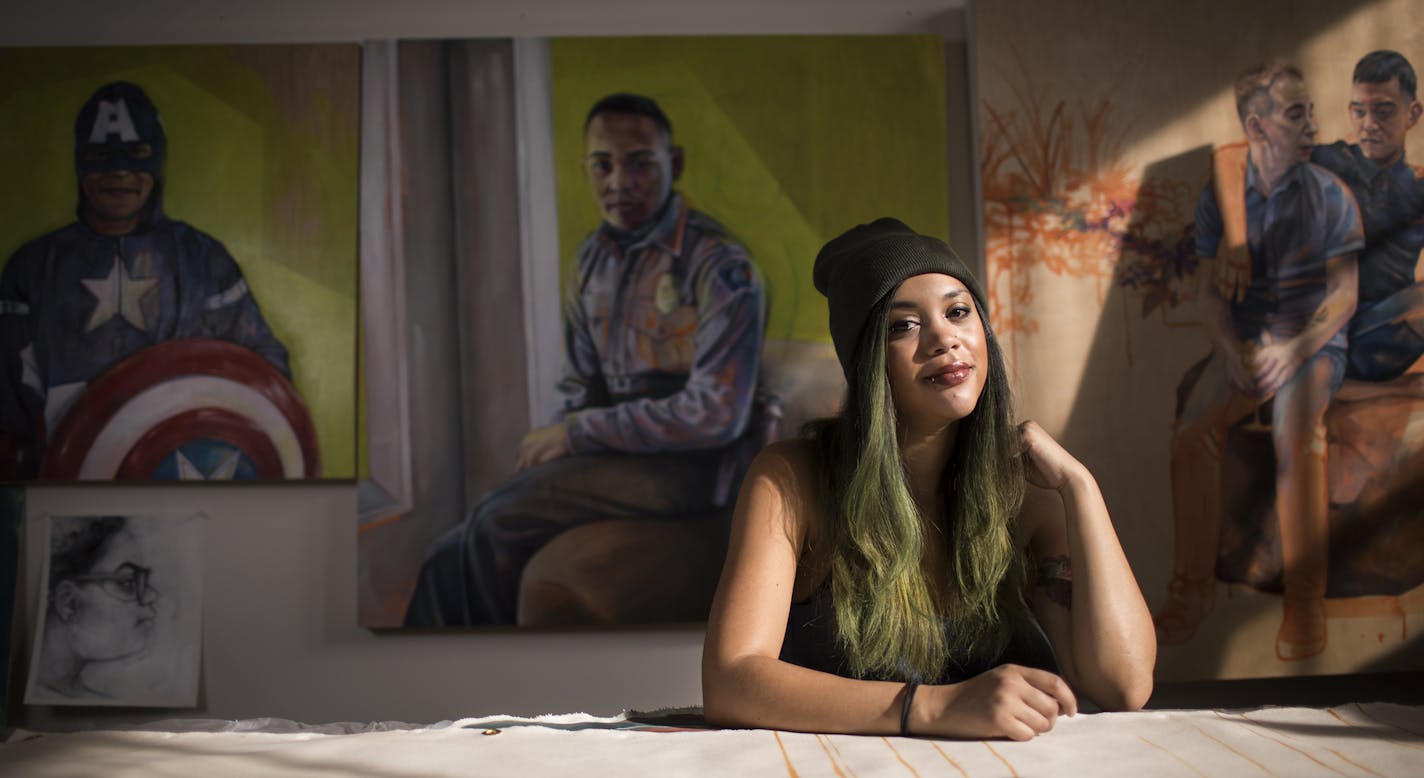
x: 794, y: 458
x: 786, y: 473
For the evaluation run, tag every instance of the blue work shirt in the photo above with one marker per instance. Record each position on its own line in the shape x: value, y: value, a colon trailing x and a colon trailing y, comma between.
x: 1391, y: 201
x: 1308, y: 218
x: 663, y: 338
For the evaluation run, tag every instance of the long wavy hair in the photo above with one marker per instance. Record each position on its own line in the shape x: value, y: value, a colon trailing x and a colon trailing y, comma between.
x: 889, y: 615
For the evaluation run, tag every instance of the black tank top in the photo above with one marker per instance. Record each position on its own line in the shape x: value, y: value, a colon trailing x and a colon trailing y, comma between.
x: 811, y: 642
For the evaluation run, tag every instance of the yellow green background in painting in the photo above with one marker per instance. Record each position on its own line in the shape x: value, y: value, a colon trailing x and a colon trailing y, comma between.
x: 789, y: 141
x: 262, y: 155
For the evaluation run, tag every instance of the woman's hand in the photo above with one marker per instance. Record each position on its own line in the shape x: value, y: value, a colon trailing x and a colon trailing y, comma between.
x: 1047, y: 465
x: 1009, y: 701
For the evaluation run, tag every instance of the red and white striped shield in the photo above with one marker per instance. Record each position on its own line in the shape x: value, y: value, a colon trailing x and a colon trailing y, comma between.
x: 135, y: 417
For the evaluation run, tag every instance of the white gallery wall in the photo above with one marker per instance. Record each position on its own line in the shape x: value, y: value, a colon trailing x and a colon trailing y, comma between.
x: 280, y: 634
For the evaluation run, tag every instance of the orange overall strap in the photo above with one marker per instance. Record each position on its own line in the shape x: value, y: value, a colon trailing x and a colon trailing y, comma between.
x: 1228, y: 181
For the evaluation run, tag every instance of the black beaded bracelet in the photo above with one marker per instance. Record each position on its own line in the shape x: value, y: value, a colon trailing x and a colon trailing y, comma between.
x: 905, y: 707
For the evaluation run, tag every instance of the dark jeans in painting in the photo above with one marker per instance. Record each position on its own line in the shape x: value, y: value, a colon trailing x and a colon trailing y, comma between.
x: 1387, y: 336
x: 471, y: 574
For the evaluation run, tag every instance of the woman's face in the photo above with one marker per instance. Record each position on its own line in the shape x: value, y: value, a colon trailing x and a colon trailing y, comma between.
x: 113, y: 605
x: 936, y: 354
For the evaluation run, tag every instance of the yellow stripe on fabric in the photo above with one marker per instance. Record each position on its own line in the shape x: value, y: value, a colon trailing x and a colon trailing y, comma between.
x: 1184, y: 762
x: 951, y: 761
x: 1253, y: 731
x: 1012, y: 771
x: 1228, y: 747
x: 832, y: 752
x: 790, y: 768
x: 896, y: 752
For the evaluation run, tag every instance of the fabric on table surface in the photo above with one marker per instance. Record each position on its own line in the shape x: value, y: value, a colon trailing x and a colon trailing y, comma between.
x: 1368, y: 739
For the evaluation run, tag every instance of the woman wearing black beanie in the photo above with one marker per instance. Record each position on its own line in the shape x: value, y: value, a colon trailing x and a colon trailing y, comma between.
x: 904, y: 568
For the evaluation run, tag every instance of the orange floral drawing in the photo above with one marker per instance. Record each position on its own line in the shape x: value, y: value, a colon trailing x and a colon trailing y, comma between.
x: 1058, y: 196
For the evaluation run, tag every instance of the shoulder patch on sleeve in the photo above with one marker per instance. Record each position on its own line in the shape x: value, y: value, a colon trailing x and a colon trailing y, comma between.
x: 735, y: 276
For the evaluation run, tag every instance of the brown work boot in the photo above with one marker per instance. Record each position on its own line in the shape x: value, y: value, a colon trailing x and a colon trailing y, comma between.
x: 1188, y: 603
x: 1302, y: 634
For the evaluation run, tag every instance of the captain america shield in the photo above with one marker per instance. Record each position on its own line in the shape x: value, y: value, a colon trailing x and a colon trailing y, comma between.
x: 190, y: 409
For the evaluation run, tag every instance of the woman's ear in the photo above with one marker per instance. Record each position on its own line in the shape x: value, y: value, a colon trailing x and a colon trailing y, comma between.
x: 64, y: 599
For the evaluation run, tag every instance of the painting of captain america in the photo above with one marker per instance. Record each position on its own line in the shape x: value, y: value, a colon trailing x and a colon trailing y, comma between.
x: 131, y: 344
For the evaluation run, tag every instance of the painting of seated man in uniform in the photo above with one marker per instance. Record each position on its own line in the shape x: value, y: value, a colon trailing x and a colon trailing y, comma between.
x: 1245, y: 238
x: 179, y: 283
x: 693, y: 182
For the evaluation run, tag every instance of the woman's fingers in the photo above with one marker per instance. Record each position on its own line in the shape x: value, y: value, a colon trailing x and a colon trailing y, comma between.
x: 1021, y: 729
x: 1033, y: 699
x: 1009, y: 701
x: 1047, y: 464
x: 1055, y: 687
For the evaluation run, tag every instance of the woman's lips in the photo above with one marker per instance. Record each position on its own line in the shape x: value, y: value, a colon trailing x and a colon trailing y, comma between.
x: 953, y: 375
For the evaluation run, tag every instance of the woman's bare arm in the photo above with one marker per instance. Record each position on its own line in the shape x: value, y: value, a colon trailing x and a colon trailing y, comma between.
x: 1085, y: 594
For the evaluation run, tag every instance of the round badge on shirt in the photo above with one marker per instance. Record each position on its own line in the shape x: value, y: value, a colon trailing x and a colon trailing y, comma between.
x: 665, y: 295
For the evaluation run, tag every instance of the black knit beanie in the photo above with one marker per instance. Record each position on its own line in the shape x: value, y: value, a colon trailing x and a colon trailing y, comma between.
x: 865, y: 263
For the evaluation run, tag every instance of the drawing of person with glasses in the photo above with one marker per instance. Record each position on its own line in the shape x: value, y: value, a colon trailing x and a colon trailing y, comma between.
x: 101, y: 605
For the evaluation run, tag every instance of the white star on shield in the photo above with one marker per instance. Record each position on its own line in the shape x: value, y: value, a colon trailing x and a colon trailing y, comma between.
x: 224, y: 471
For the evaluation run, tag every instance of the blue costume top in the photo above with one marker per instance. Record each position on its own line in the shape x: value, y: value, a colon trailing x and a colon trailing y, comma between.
x: 1308, y: 218
x: 74, y: 303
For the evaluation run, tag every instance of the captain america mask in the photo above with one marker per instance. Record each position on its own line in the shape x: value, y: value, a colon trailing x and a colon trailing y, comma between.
x: 118, y: 129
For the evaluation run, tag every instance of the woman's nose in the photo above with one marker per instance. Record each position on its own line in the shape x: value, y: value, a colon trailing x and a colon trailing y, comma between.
x: 942, y: 336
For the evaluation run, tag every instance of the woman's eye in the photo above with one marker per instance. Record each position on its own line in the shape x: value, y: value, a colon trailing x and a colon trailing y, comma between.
x: 959, y: 312
x: 903, y: 325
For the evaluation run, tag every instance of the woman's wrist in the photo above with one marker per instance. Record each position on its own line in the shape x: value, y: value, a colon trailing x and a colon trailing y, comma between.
x: 907, y: 702
x: 928, y: 707
x: 1076, y: 480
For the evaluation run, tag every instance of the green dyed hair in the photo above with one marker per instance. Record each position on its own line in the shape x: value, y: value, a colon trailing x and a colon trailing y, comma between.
x: 889, y: 617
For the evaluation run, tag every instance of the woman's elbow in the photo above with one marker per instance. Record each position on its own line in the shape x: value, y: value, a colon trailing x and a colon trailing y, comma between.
x: 1135, y: 695
x: 1128, y: 693
x: 724, y: 700
x: 716, y: 709
x: 719, y: 704
x: 714, y: 690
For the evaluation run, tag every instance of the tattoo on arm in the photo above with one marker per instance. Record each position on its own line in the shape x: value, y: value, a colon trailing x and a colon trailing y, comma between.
x: 1055, y: 576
